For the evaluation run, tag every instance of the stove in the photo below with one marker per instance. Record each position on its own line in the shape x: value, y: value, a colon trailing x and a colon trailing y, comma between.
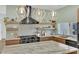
x: 29, y: 39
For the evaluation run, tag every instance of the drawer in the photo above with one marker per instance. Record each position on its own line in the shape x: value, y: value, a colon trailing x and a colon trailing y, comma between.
x: 61, y: 40
x: 12, y: 42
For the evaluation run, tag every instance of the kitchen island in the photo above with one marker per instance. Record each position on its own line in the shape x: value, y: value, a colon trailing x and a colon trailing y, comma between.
x: 44, y: 47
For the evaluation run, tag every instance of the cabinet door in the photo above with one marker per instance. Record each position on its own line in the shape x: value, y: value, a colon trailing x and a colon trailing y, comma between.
x: 12, y: 42
x: 71, y: 52
x: 58, y: 39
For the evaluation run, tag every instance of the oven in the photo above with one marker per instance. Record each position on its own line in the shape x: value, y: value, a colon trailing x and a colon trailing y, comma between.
x: 29, y: 39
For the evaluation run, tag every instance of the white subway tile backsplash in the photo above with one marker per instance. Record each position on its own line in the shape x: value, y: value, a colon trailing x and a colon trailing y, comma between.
x: 29, y: 29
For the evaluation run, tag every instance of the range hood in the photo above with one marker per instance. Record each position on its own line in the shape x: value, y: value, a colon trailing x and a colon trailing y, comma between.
x: 28, y: 19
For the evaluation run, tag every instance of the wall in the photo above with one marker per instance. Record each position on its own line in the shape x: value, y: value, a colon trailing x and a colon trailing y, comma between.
x: 45, y: 15
x: 2, y: 9
x: 3, y: 30
x: 11, y: 11
x: 28, y: 29
x: 2, y: 12
x: 63, y: 15
x: 2, y: 26
x: 67, y: 14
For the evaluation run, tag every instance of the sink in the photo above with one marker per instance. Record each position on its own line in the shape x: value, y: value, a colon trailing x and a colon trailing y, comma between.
x: 63, y: 36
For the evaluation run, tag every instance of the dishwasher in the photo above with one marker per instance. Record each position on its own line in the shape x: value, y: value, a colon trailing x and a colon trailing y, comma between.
x: 71, y: 43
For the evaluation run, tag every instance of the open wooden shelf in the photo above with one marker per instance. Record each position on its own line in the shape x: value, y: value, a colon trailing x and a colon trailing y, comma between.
x: 11, y: 22
x: 12, y: 29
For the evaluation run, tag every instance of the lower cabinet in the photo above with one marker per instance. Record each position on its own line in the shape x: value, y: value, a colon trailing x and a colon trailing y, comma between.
x: 71, y: 43
x: 12, y: 42
x: 71, y: 52
x: 45, y: 38
x: 18, y: 40
x: 57, y: 39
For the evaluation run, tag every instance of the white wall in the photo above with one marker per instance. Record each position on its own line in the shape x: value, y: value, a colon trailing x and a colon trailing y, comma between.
x: 2, y: 27
x: 11, y: 11
x: 67, y: 14
x: 2, y: 30
x: 28, y: 29
x: 2, y: 9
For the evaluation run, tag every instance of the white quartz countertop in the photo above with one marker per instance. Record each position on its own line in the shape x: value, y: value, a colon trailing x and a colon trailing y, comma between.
x: 45, y: 47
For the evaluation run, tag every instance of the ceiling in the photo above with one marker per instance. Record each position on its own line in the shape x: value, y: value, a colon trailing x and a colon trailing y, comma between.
x: 49, y: 7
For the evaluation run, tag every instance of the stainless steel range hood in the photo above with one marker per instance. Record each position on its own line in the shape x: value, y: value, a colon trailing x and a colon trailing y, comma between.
x: 28, y: 19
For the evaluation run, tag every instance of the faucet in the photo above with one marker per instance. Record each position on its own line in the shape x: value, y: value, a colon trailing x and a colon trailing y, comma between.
x: 42, y: 32
x: 37, y: 32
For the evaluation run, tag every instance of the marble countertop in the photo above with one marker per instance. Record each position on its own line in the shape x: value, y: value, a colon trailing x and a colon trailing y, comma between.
x: 45, y: 47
